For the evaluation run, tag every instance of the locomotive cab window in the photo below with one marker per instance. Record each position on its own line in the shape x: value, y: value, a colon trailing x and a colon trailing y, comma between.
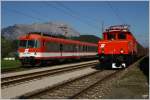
x: 110, y: 36
x: 121, y: 36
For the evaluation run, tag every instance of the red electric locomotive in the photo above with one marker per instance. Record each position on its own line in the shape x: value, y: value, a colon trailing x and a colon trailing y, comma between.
x: 38, y: 48
x: 118, y: 47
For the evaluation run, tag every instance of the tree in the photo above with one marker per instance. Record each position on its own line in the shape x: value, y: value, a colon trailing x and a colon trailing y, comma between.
x: 8, y: 47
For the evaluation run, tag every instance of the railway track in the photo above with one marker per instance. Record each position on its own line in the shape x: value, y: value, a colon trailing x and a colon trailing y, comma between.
x: 67, y: 85
x: 28, y: 68
x: 73, y: 88
x: 18, y: 79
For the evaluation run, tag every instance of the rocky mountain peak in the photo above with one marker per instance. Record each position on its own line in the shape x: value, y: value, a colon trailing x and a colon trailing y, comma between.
x: 13, y: 32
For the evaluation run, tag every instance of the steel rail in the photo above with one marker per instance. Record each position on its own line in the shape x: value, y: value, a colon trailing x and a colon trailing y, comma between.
x: 60, y: 85
x: 37, y: 92
x: 75, y: 96
x: 94, y: 84
x: 20, y: 78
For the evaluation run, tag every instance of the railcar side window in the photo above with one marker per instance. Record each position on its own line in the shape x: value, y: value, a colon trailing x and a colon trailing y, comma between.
x: 121, y: 36
x: 92, y: 48
x: 77, y: 48
x: 84, y: 48
x: 110, y: 36
x: 51, y: 46
x: 81, y: 48
x: 89, y: 48
x: 68, y: 47
x: 74, y: 48
x: 71, y: 48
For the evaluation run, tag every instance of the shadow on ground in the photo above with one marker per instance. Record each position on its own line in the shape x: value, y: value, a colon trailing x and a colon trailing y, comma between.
x: 144, y: 67
x: 58, y: 62
x: 106, y: 66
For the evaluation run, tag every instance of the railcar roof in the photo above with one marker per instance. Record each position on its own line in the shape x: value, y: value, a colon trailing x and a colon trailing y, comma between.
x: 54, y: 39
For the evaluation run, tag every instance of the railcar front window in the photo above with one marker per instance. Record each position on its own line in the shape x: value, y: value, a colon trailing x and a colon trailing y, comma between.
x: 31, y: 43
x: 37, y: 44
x: 23, y: 43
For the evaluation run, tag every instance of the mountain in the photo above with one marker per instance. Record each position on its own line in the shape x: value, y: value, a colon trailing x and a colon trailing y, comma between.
x: 10, y: 34
x: 13, y: 32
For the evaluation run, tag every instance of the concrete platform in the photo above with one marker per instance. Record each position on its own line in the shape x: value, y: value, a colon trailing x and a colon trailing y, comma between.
x: 44, y: 69
x: 18, y: 90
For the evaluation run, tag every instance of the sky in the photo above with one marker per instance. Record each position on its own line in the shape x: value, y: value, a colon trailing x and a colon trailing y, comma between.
x: 86, y: 17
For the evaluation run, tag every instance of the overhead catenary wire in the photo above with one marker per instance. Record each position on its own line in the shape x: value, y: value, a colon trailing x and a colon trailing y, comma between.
x: 75, y: 12
x: 91, y: 19
x: 41, y: 19
x: 24, y: 14
x: 116, y: 13
x: 71, y: 14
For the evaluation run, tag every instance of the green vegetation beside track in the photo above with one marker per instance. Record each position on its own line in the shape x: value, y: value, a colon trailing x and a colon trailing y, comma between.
x: 133, y: 85
x: 10, y: 64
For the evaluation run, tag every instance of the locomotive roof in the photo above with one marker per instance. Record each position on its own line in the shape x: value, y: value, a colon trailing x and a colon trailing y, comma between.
x: 118, y: 28
x: 54, y: 39
x: 118, y: 31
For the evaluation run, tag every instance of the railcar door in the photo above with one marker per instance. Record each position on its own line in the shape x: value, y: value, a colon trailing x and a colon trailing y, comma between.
x: 61, y: 49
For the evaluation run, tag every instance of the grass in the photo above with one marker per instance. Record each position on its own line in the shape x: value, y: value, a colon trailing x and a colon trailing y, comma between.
x: 10, y: 64
x: 131, y: 85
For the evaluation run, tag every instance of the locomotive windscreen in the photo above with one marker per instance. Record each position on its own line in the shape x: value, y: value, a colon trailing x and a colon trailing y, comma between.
x: 122, y: 36
x: 110, y: 36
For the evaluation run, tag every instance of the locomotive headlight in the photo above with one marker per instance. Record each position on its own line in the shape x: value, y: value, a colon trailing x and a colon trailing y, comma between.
x: 121, y: 51
x: 102, y: 46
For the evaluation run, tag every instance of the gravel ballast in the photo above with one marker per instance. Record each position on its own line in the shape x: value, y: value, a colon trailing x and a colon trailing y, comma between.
x: 129, y: 84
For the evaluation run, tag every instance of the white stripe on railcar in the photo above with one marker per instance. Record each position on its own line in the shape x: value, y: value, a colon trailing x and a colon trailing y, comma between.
x: 55, y: 54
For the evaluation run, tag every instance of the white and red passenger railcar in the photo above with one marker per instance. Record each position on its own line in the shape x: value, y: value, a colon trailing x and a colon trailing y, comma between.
x: 39, y: 48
